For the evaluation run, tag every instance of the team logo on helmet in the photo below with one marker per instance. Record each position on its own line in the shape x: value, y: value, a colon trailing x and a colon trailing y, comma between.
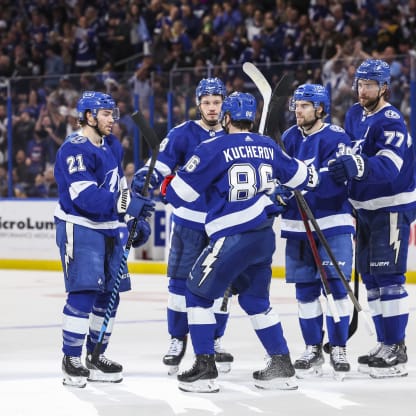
x: 210, y: 86
x: 314, y: 93
x: 240, y: 106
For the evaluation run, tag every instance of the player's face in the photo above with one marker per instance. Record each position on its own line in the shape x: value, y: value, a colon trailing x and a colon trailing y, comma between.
x: 105, y: 121
x: 368, y: 92
x: 305, y: 114
x: 210, y: 108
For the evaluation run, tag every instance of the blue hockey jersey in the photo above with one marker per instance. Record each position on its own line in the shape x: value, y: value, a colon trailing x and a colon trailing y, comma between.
x: 236, y: 173
x: 384, y: 139
x: 329, y: 201
x: 174, y: 151
x: 88, y: 179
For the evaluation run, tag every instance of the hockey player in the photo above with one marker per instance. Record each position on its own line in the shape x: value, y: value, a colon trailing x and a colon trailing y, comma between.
x: 188, y: 237
x: 381, y: 174
x: 93, y: 198
x: 317, y: 142
x: 235, y: 173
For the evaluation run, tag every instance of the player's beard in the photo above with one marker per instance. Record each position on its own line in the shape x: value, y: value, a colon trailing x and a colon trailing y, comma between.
x: 306, y: 125
x: 368, y: 104
x: 208, y: 122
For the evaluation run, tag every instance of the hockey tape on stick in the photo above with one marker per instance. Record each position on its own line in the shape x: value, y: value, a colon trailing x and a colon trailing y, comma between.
x: 263, y: 86
x: 153, y: 141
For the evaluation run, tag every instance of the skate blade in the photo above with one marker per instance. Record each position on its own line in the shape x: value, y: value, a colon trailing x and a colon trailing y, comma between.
x: 398, y: 370
x: 172, y: 369
x: 100, y: 377
x: 200, y: 386
x: 315, y: 371
x: 363, y: 368
x: 224, y: 367
x: 278, y: 383
x: 339, y: 375
x: 74, y: 381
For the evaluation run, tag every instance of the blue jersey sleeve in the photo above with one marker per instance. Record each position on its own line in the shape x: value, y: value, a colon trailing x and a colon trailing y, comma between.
x: 87, y: 182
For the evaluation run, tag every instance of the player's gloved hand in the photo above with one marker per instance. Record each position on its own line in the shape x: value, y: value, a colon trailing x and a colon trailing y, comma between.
x: 164, y: 186
x: 139, y: 179
x: 280, y: 197
x: 140, y: 206
x: 141, y: 233
x: 313, y: 178
x: 346, y: 167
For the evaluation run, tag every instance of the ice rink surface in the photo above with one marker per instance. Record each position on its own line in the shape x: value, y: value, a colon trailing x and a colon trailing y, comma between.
x: 30, y: 361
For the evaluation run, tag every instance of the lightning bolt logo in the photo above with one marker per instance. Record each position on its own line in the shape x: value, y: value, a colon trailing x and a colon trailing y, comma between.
x: 69, y: 246
x: 394, y: 234
x: 209, y: 261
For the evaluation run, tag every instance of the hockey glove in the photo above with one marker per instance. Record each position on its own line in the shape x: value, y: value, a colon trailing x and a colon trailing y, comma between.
x: 140, y: 206
x: 313, y: 178
x: 139, y: 180
x: 348, y: 167
x: 141, y: 233
x: 280, y: 197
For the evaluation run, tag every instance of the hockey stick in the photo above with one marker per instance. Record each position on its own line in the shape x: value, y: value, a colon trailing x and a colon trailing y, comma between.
x: 277, y: 103
x: 354, y: 320
x: 153, y: 141
x: 266, y: 93
x: 303, y: 205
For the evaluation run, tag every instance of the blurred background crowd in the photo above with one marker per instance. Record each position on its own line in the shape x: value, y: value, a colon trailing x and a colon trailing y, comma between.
x: 150, y: 54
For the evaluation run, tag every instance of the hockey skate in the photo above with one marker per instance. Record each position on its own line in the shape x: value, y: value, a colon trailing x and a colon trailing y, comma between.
x: 279, y: 374
x: 223, y: 359
x: 175, y: 354
x: 201, y: 378
x: 339, y: 362
x: 104, y: 370
x: 389, y: 362
x: 310, y: 363
x: 364, y: 360
x: 75, y: 374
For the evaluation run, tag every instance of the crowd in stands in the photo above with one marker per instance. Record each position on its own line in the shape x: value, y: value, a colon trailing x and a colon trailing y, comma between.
x: 51, y: 50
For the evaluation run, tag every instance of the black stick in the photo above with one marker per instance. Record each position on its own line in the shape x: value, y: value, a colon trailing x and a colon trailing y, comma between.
x: 153, y: 142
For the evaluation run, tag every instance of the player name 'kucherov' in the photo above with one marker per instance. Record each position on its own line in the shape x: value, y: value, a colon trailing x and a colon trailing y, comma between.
x: 242, y: 152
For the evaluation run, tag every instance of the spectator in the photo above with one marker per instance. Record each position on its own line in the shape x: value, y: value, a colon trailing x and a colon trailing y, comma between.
x: 54, y: 67
x: 50, y: 183
x: 3, y: 135
x: 72, y: 124
x: 36, y: 156
x: 140, y: 81
x: 3, y: 182
x: 140, y: 37
x: 50, y: 137
x: 23, y: 127
x: 85, y: 47
x: 20, y: 169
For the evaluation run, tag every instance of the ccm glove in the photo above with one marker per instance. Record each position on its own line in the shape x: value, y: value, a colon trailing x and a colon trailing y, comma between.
x: 140, y: 206
x: 141, y: 232
x: 139, y: 180
x: 347, y: 167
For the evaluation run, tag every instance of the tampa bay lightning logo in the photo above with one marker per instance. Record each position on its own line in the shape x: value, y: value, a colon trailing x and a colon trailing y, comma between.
x: 392, y: 114
x: 336, y: 128
x: 77, y: 139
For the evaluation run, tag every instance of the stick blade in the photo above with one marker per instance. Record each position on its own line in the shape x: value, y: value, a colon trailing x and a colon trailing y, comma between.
x: 278, y: 103
x: 148, y: 133
x: 258, y: 78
